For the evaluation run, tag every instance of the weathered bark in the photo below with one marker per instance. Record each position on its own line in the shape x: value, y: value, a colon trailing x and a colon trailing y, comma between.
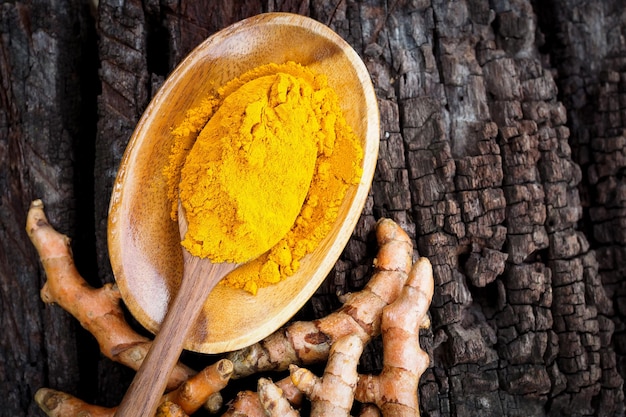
x: 44, y: 128
x: 591, y: 62
x: 502, y: 154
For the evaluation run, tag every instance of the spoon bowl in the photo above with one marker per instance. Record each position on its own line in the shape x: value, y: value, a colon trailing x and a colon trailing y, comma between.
x: 144, y: 243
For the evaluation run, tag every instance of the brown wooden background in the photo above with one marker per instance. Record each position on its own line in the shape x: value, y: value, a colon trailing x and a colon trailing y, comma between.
x: 503, y: 154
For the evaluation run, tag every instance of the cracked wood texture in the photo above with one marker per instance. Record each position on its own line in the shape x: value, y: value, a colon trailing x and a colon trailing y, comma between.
x: 503, y: 154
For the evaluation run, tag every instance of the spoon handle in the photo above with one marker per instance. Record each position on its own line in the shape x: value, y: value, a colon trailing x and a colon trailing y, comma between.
x: 145, y: 392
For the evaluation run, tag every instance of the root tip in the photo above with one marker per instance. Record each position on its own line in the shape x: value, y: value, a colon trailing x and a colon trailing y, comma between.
x: 37, y: 203
x: 48, y: 399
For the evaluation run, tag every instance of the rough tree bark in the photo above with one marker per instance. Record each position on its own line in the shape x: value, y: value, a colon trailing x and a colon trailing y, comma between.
x: 503, y: 153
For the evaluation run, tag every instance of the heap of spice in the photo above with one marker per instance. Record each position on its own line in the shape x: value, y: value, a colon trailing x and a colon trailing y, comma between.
x: 264, y: 163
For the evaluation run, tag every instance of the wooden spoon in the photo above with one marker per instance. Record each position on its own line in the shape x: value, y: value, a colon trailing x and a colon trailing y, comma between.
x: 142, y: 239
x: 200, y: 276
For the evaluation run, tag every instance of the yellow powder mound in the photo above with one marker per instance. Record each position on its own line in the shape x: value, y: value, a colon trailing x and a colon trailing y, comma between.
x: 246, y: 177
x: 269, y: 169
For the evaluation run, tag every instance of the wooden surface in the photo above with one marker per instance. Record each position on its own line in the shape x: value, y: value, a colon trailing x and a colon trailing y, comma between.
x: 502, y: 154
x: 143, y: 241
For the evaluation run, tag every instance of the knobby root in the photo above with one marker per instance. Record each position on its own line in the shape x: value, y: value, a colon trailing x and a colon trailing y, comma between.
x: 394, y: 303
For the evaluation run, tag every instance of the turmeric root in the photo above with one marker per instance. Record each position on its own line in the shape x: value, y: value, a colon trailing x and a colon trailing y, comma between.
x: 187, y: 399
x: 214, y: 403
x: 393, y: 303
x: 246, y: 404
x: 273, y: 401
x: 369, y: 410
x: 394, y: 391
x: 170, y: 409
x: 194, y: 392
x: 59, y: 404
x: 249, y: 404
x: 290, y: 391
x: 97, y: 310
x: 333, y: 393
x: 309, y: 342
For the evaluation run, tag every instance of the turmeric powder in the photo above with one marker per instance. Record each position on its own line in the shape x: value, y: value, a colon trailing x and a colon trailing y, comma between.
x: 270, y: 162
